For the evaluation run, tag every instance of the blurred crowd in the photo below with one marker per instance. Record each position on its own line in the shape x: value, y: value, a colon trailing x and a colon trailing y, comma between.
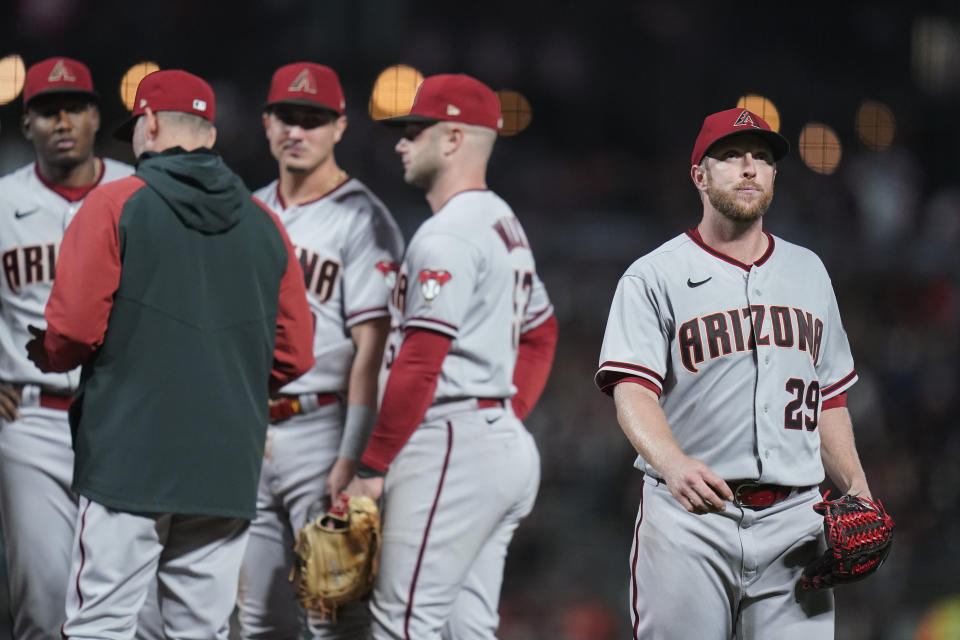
x: 599, y: 179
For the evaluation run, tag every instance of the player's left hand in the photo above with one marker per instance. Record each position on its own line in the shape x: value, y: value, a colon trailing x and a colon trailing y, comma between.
x: 370, y: 487
x: 36, y: 351
x: 343, y: 470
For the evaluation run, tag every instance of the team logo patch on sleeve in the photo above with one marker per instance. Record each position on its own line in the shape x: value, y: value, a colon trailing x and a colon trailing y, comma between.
x: 431, y: 280
x: 389, y: 271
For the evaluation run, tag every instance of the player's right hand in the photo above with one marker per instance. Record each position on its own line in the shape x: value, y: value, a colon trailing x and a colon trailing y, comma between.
x: 9, y: 403
x: 696, y: 486
x: 36, y: 349
x: 370, y: 487
x: 340, y: 476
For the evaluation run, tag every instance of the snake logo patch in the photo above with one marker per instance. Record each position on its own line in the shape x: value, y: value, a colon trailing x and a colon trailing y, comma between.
x: 389, y: 272
x: 431, y: 280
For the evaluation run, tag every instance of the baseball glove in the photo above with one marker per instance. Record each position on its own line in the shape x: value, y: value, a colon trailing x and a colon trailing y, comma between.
x: 859, y: 532
x: 336, y: 555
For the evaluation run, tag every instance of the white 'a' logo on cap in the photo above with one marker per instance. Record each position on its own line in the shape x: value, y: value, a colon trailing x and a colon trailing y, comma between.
x: 746, y: 120
x: 452, y: 110
x: 60, y: 73
x: 304, y: 82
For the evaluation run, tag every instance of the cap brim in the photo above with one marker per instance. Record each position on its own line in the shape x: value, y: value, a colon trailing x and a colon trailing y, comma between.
x: 125, y: 131
x: 303, y: 103
x: 53, y: 91
x: 778, y: 144
x: 399, y: 121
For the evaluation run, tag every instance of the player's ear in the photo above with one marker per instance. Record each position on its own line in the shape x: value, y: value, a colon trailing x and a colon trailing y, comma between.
x: 25, y: 123
x: 151, y: 124
x: 95, y: 117
x: 211, y: 138
x: 453, y: 138
x: 699, y: 176
x: 339, y: 126
x: 266, y: 123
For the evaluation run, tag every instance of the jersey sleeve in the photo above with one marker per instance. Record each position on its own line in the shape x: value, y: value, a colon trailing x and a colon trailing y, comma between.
x: 443, y: 272
x: 373, y: 250
x: 834, y: 361
x: 539, y: 309
x: 293, y: 346
x: 88, y: 275
x: 409, y: 393
x: 635, y: 343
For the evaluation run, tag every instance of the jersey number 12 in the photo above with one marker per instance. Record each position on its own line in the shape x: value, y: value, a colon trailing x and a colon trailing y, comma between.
x: 522, y: 288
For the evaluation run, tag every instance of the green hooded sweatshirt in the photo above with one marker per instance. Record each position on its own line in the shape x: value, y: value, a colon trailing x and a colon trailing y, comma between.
x: 171, y: 412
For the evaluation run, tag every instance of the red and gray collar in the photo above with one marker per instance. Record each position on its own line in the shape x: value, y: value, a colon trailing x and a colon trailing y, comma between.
x: 694, y: 235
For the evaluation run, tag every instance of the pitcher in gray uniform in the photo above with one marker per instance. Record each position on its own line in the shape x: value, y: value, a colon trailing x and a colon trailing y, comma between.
x: 729, y: 366
x: 349, y: 247
x: 475, y: 346
x: 37, y: 202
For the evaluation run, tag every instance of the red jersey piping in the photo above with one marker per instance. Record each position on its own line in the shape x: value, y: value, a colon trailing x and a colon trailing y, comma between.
x: 694, y: 235
x: 72, y: 194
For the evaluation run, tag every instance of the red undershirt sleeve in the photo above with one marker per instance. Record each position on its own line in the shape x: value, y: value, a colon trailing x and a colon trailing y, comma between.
x: 293, y: 348
x: 534, y: 360
x: 839, y: 400
x: 87, y: 276
x: 408, y: 395
x: 643, y: 382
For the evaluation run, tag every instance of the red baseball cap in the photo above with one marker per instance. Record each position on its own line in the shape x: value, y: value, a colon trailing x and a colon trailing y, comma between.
x: 58, y: 75
x: 169, y: 90
x: 733, y: 122
x: 454, y: 97
x: 307, y: 84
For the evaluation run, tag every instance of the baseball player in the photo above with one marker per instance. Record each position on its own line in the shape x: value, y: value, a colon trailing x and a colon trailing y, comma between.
x: 37, y: 202
x: 477, y: 328
x: 349, y: 248
x: 181, y: 295
x: 729, y: 366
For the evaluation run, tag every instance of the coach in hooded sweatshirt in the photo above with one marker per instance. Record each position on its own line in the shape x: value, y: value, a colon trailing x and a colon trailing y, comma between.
x: 180, y: 295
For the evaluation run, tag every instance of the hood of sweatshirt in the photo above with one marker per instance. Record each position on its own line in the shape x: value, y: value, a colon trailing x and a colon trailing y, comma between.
x: 197, y: 185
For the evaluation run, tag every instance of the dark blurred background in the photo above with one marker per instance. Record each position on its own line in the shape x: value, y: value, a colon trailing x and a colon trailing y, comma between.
x: 618, y: 91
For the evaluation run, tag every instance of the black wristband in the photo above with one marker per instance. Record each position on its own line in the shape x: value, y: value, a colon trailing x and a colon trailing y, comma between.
x: 364, y: 472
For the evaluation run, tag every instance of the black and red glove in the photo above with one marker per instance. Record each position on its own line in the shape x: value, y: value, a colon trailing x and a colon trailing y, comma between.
x: 859, y: 532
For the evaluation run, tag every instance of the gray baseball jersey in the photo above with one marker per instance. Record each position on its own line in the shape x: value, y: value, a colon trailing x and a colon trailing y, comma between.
x: 469, y: 273
x: 469, y: 473
x: 349, y: 247
x: 741, y: 356
x: 33, y: 218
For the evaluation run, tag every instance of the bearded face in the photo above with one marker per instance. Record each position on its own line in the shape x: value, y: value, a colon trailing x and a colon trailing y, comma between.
x: 744, y: 201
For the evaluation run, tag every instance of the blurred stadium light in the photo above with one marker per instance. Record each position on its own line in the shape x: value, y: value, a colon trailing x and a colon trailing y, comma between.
x: 131, y: 80
x: 876, y: 125
x: 820, y: 148
x: 12, y: 75
x: 516, y: 111
x: 761, y: 106
x: 393, y: 91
